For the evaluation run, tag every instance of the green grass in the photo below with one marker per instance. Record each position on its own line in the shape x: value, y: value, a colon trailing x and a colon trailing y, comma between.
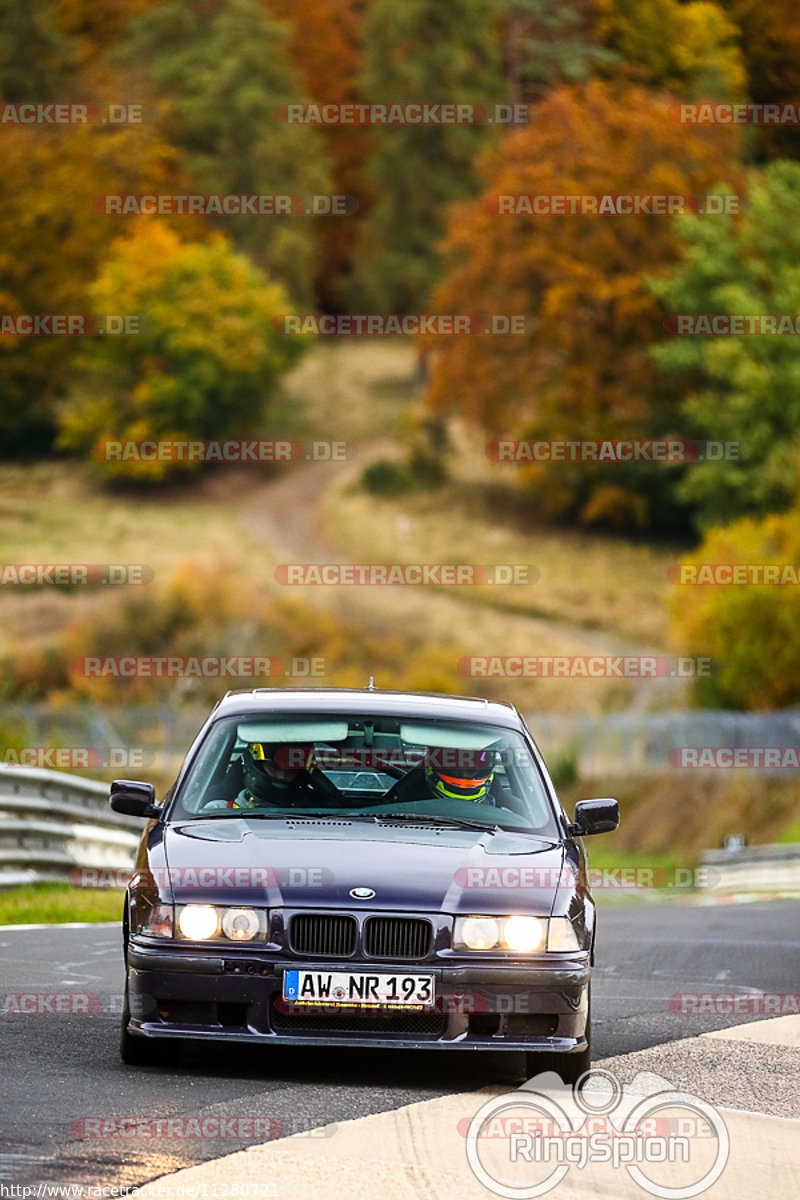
x: 604, y: 861
x: 56, y: 903
x: 790, y: 834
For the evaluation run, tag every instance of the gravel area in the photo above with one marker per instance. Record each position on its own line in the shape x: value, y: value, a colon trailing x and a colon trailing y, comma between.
x: 752, y: 1077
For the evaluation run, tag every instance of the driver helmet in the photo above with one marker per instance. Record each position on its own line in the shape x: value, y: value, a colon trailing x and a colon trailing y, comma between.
x: 268, y: 769
x: 468, y: 777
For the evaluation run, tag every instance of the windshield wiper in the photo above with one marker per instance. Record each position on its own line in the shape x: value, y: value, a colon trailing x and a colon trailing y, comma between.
x: 239, y: 813
x: 455, y: 822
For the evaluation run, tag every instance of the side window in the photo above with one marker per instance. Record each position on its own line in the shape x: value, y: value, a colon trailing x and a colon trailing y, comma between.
x: 209, y: 767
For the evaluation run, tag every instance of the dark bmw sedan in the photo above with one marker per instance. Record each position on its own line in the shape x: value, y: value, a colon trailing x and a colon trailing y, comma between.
x: 361, y: 868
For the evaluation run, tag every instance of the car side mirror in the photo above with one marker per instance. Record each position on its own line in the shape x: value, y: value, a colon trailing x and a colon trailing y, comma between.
x: 134, y: 798
x: 595, y: 816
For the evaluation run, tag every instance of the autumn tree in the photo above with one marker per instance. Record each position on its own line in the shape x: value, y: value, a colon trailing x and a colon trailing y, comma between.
x: 216, y: 73
x: 550, y: 42
x: 96, y: 27
x: 691, y: 48
x: 36, y: 56
x: 325, y: 46
x: 202, y: 364
x: 426, y: 52
x: 744, y: 389
x: 770, y: 45
x: 585, y: 370
x: 751, y: 630
x: 52, y: 242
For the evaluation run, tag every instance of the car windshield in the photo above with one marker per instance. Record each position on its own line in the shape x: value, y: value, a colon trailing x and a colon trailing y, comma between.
x: 384, y: 768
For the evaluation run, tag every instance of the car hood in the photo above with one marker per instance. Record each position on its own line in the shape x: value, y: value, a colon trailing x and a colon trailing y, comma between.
x: 309, y: 863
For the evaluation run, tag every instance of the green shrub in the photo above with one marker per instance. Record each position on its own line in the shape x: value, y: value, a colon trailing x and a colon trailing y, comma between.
x: 205, y: 359
x: 750, y: 630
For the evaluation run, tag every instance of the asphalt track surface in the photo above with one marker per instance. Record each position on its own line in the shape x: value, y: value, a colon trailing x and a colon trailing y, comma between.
x: 60, y: 1068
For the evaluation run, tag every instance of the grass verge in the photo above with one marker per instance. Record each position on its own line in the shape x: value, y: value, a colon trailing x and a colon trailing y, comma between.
x: 57, y: 903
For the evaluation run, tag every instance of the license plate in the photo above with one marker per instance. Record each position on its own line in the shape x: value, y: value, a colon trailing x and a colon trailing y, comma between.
x: 356, y: 989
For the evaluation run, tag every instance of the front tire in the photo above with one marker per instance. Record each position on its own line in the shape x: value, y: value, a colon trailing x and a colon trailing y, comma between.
x: 569, y: 1067
x: 143, y: 1051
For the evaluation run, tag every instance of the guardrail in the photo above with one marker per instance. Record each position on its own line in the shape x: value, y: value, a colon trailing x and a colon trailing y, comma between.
x: 52, y: 822
x: 773, y: 868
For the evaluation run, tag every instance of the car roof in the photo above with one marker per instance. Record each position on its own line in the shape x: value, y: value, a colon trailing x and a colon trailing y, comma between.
x: 367, y: 701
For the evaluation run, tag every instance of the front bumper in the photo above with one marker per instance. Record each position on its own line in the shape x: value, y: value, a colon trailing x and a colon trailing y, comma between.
x: 237, y: 997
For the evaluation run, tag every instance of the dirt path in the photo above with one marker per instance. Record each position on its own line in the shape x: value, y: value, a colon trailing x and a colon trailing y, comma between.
x: 287, y: 514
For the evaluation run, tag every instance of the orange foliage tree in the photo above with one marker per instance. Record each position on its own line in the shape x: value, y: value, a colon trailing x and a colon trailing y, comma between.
x: 770, y: 42
x: 585, y: 370
x: 52, y: 242
x: 325, y: 45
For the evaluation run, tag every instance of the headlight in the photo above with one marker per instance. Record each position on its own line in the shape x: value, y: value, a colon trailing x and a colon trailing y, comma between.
x: 240, y: 924
x: 208, y: 922
x: 516, y: 934
x: 525, y: 934
x: 477, y: 933
x: 198, y: 922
